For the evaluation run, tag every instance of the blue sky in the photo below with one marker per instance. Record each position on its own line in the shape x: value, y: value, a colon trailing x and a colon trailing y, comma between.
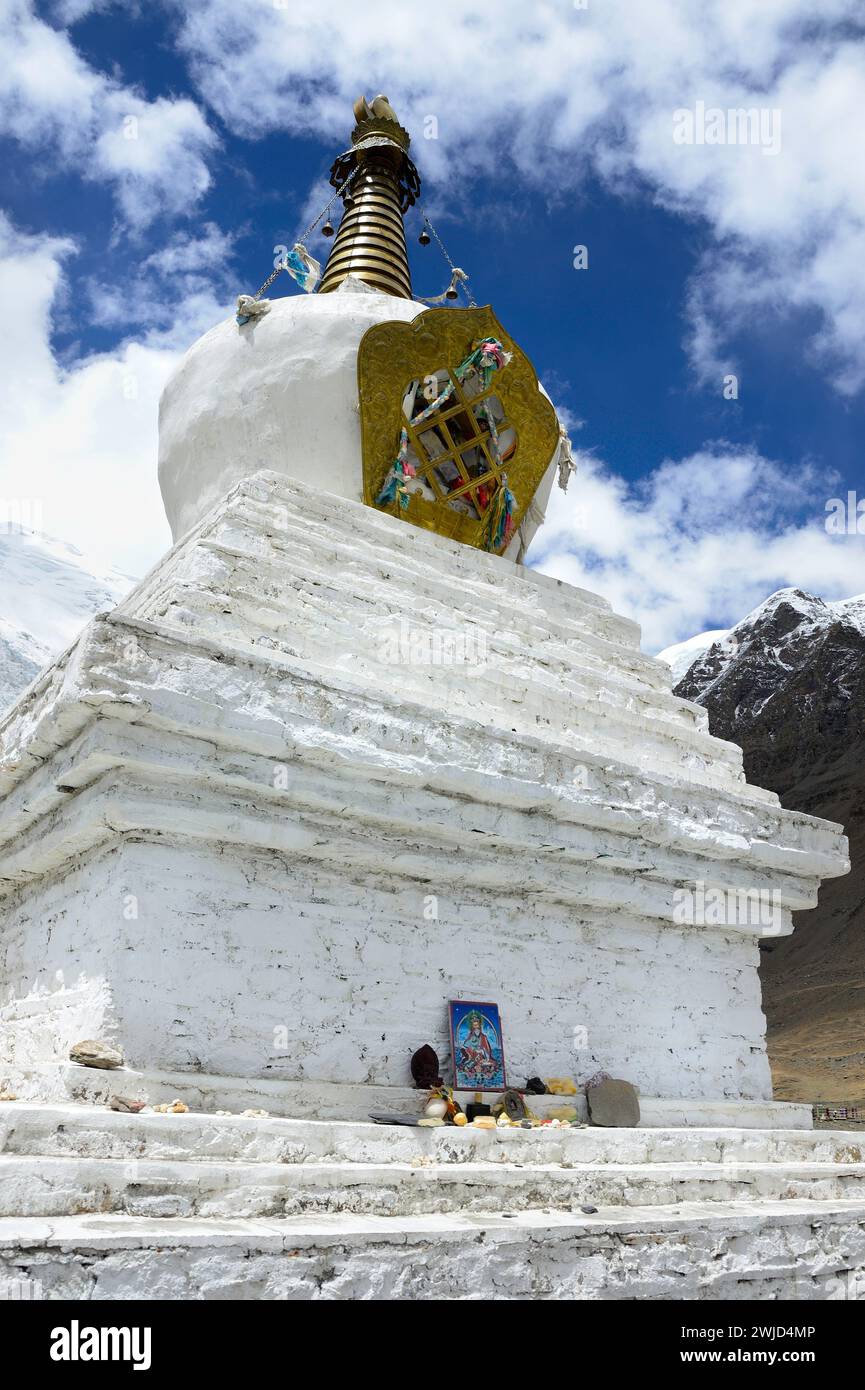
x: 554, y: 129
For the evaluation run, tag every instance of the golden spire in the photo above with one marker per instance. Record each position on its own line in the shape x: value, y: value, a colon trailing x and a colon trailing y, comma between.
x: 370, y: 242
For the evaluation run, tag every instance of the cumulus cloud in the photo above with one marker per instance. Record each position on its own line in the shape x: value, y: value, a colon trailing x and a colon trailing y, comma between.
x: 79, y: 444
x: 543, y: 94
x: 175, y: 294
x: 550, y: 91
x: 71, y: 11
x: 153, y: 153
x: 698, y: 542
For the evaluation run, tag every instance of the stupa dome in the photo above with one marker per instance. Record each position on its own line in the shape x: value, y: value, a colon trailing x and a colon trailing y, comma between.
x: 277, y: 389
x: 280, y: 394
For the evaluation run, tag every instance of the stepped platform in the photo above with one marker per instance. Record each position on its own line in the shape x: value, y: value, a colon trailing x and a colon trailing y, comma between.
x: 243, y: 776
x: 320, y: 773
x: 105, y: 1205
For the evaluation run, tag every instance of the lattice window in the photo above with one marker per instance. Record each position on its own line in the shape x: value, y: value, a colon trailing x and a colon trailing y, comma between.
x: 460, y: 450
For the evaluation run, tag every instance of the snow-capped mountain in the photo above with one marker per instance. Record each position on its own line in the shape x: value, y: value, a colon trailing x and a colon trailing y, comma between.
x: 788, y: 684
x: 48, y: 591
x: 682, y: 655
x: 782, y: 629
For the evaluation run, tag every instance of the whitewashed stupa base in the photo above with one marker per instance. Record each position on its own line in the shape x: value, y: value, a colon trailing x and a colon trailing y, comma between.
x: 247, y: 833
x: 319, y: 773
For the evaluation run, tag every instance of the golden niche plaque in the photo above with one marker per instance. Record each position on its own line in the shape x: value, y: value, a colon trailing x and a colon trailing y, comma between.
x: 456, y: 434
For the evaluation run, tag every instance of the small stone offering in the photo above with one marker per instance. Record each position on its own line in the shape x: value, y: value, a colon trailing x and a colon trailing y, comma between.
x: 515, y: 1106
x: 614, y: 1104
x: 127, y: 1107
x: 92, y: 1053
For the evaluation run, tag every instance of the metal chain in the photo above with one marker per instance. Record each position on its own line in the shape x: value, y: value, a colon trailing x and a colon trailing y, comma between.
x: 338, y: 194
x: 310, y: 229
x: 457, y: 276
x: 441, y: 246
x: 269, y: 281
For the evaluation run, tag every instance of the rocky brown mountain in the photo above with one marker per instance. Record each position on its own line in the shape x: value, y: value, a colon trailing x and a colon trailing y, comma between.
x: 788, y: 685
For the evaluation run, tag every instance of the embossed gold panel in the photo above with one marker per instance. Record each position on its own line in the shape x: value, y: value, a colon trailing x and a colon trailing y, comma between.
x: 394, y: 355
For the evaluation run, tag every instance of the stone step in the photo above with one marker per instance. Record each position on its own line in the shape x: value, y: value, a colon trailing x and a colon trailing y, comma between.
x: 89, y: 1131
x: 539, y: 632
x: 366, y: 553
x: 800, y: 1250
x: 288, y: 614
x: 558, y: 700
x: 40, y: 1186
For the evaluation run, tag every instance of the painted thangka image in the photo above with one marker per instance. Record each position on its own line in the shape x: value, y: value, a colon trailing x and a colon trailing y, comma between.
x: 476, y: 1046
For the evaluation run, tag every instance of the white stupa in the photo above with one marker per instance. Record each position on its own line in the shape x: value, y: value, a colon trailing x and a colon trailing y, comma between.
x: 325, y: 770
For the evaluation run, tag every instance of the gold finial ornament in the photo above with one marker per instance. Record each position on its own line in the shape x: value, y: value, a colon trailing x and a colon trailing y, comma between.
x: 370, y: 243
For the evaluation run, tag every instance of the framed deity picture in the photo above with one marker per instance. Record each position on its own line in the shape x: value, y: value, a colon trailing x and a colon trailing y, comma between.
x: 476, y: 1046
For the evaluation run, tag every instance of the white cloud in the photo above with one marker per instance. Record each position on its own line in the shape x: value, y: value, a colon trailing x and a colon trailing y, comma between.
x: 175, y: 294
x: 552, y: 91
x: 153, y: 153
x: 545, y: 92
x: 79, y: 445
x: 700, y: 541
x: 71, y: 11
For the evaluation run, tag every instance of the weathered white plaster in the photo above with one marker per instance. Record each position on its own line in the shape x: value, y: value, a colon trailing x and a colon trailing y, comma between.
x: 279, y: 393
x: 229, y: 950
x: 43, y: 1019
x: 284, y: 843
x: 341, y: 1100
x: 99, y: 1204
x: 320, y: 772
x: 62, y: 1160
x: 89, y: 1131
x: 63, y: 1186
x: 785, y: 1250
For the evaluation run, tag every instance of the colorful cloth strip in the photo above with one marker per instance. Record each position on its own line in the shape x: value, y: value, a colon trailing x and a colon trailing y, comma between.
x: 501, y: 526
x: 394, y: 483
x: 303, y: 267
x: 486, y: 357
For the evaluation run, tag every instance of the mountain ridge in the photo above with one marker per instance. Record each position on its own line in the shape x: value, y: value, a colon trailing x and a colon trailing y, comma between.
x: 787, y: 684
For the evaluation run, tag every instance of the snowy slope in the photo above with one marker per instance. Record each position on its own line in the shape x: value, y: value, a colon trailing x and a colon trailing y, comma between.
x: 48, y: 591
x: 682, y: 655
